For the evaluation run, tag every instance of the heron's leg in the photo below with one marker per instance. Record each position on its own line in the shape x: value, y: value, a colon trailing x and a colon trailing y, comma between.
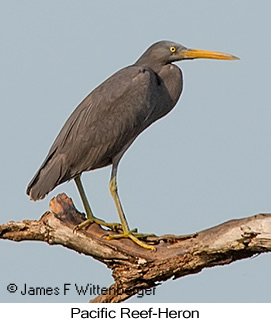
x: 84, y: 198
x: 127, y: 233
x: 90, y: 217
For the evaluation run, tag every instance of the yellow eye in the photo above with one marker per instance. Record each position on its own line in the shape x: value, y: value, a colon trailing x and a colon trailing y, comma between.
x: 172, y: 49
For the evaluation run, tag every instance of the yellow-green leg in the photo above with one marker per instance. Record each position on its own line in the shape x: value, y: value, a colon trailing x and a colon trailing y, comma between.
x: 90, y: 217
x: 127, y: 233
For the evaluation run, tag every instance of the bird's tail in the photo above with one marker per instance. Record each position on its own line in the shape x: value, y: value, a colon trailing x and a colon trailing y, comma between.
x: 47, y: 178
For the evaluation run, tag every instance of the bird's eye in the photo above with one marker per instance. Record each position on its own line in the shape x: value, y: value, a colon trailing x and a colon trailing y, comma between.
x: 172, y: 49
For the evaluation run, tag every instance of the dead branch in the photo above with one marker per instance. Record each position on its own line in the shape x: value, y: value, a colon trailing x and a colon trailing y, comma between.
x: 134, y: 268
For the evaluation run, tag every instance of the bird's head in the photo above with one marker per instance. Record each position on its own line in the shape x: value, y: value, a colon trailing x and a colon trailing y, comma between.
x: 165, y: 52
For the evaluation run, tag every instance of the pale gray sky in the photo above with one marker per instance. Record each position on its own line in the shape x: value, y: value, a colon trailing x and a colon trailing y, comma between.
x: 205, y: 163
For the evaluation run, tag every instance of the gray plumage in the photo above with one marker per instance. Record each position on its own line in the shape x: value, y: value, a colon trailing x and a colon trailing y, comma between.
x: 109, y: 119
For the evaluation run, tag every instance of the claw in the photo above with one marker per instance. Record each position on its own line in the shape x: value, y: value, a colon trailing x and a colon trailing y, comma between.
x: 133, y: 236
x: 113, y: 226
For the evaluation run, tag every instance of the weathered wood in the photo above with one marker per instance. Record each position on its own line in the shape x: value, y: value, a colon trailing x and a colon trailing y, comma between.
x: 134, y: 268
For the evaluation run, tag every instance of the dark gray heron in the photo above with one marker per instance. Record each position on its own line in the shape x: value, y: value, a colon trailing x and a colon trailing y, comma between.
x: 109, y: 119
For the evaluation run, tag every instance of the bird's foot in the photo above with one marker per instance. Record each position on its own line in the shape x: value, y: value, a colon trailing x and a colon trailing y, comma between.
x: 113, y: 226
x: 133, y: 235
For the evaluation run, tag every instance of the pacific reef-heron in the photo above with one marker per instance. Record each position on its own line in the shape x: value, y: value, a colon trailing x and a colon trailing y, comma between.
x: 109, y: 119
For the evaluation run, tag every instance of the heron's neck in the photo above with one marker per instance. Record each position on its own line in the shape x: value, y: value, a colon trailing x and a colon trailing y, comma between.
x: 173, y: 80
x: 146, y: 62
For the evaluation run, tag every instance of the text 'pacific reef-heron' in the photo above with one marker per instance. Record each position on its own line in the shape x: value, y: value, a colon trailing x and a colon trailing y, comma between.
x: 109, y: 119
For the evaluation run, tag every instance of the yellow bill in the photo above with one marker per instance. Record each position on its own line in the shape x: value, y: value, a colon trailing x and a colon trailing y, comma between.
x: 198, y: 53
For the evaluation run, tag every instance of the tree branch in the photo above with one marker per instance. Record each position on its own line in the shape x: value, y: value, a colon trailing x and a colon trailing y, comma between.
x: 134, y: 268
